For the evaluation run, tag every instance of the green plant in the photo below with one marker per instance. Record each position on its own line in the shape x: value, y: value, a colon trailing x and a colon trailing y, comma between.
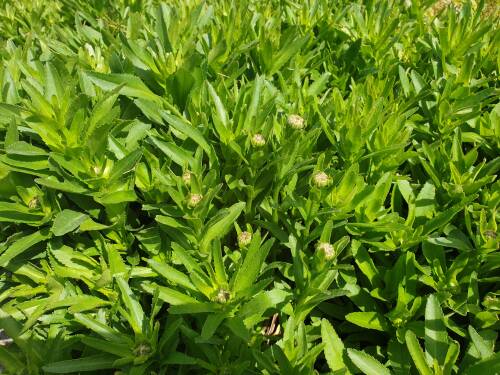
x: 247, y: 187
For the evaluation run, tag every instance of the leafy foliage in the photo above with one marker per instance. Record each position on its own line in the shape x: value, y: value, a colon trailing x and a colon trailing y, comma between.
x: 247, y: 187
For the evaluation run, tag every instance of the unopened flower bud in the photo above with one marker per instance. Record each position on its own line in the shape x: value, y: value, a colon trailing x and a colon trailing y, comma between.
x: 222, y: 296
x: 258, y: 140
x: 326, y: 249
x: 186, y: 178
x: 490, y: 298
x: 490, y: 234
x: 398, y: 322
x: 296, y: 122
x: 321, y: 179
x: 142, y: 350
x: 194, y: 200
x: 244, y: 239
x: 33, y: 203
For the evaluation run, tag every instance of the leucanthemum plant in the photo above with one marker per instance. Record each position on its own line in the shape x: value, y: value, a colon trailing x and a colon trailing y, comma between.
x: 249, y: 187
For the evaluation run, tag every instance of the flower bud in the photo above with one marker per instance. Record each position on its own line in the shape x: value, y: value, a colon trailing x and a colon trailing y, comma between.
x: 244, y: 239
x: 321, y: 179
x: 186, y: 178
x: 194, y: 200
x: 490, y: 298
x: 296, y: 122
x: 258, y: 140
x: 142, y: 349
x: 490, y: 234
x: 326, y: 249
x: 222, y: 296
x: 398, y: 322
x: 33, y: 203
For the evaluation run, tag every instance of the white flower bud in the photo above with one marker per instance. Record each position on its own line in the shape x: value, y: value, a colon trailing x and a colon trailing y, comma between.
x: 258, y: 140
x: 222, y: 296
x: 186, y: 178
x: 244, y: 239
x: 296, y: 122
x: 33, y: 203
x: 321, y: 179
x: 142, y: 350
x: 490, y: 234
x: 327, y: 250
x: 194, y: 200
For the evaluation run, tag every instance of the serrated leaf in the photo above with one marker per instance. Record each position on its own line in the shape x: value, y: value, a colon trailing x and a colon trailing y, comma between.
x: 334, y: 348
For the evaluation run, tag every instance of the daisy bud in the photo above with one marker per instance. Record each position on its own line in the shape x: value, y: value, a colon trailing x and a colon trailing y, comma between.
x: 326, y: 249
x: 142, y: 350
x: 244, y: 239
x: 258, y: 140
x: 490, y: 300
x: 490, y: 234
x: 194, y: 200
x: 186, y: 178
x: 222, y: 296
x: 296, y: 122
x: 33, y: 203
x: 321, y: 179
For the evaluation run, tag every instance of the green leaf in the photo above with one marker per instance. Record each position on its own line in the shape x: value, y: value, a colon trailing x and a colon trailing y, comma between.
x: 436, y: 337
x: 67, y: 221
x: 171, y: 274
x: 132, y: 303
x: 334, y: 347
x: 116, y: 197
x: 490, y: 365
x: 247, y: 274
x: 101, y: 329
x: 23, y: 244
x: 211, y: 324
x: 481, y: 345
x: 132, y: 85
x: 125, y: 165
x: 23, y: 148
x: 183, y: 126
x: 220, y: 226
x: 366, y: 363
x: 178, y: 155
x: 90, y: 363
x: 369, y: 319
x: 417, y: 353
x: 171, y: 296
x: 221, y: 120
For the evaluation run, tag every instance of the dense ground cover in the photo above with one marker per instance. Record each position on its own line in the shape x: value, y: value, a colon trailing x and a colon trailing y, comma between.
x: 249, y: 187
